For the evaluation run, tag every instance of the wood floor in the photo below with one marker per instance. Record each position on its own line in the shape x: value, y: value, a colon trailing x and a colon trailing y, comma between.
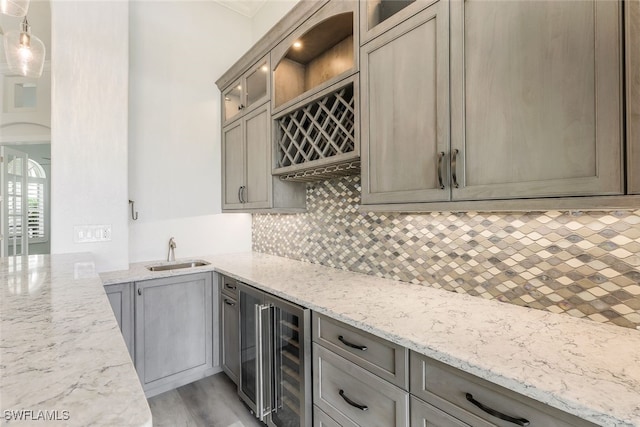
x: 209, y: 402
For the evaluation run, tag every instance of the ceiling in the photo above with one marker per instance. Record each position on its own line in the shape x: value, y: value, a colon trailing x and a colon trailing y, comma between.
x: 244, y: 7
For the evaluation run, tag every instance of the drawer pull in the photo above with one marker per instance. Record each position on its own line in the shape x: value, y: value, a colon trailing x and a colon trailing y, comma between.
x: 348, y: 344
x: 228, y: 286
x: 226, y: 301
x: 351, y: 402
x: 493, y: 412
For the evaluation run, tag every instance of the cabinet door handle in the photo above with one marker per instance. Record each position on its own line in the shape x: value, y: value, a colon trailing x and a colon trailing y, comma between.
x: 440, y: 182
x: 454, y: 167
x: 348, y: 344
x: 497, y: 414
x: 240, y: 107
x: 139, y: 291
x: 244, y: 194
x: 241, y: 194
x: 228, y: 302
x: 352, y: 403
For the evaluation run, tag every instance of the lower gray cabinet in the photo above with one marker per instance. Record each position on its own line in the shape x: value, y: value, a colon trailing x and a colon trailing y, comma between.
x: 320, y: 419
x: 174, y: 341
x: 230, y: 334
x: 121, y: 300
x: 478, y: 402
x: 353, y: 396
x: 425, y: 415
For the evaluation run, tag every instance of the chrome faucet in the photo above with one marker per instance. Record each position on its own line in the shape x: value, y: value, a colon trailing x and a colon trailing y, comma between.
x: 171, y: 256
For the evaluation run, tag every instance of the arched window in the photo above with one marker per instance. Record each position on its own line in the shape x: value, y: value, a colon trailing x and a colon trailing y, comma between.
x: 36, y: 201
x: 36, y: 185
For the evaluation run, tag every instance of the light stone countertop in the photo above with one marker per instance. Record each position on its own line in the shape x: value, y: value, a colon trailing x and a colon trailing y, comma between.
x: 585, y: 368
x: 62, y: 356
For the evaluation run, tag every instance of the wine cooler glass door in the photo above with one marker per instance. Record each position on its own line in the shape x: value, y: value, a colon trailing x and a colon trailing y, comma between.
x: 290, y: 374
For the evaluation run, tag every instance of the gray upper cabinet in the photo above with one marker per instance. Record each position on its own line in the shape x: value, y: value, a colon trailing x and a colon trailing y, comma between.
x: 121, y: 300
x: 405, y: 111
x: 173, y: 322
x: 233, y: 164
x: 246, y: 93
x: 246, y: 167
x: 632, y: 28
x: 536, y: 99
x: 378, y: 16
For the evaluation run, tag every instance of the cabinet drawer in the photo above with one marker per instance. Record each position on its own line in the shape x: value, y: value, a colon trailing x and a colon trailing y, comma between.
x: 451, y: 390
x: 320, y: 419
x: 353, y: 396
x: 423, y: 414
x: 381, y: 357
x: 229, y: 287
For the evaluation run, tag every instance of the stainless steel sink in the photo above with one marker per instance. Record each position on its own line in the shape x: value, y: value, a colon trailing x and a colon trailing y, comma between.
x: 177, y: 265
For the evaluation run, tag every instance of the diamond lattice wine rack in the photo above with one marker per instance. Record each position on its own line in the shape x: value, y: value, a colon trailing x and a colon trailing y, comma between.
x: 319, y: 140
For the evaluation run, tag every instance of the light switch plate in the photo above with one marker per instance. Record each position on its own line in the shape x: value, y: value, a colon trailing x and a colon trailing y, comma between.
x: 92, y: 233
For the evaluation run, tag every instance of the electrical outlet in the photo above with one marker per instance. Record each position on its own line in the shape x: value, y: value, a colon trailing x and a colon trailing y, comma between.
x: 91, y: 233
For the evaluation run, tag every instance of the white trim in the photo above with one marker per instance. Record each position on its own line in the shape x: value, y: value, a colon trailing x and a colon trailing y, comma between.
x: 247, y: 8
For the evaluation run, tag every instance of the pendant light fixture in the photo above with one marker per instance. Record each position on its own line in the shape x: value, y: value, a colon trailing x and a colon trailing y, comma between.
x: 17, y: 8
x: 25, y: 52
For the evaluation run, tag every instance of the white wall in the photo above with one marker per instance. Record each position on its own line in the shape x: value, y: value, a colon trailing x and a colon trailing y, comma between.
x: 268, y: 15
x: 89, y: 126
x: 177, y: 51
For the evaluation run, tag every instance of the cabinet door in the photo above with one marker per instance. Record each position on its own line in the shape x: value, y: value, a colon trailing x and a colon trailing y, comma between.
x: 257, y: 84
x: 405, y: 111
x: 232, y: 102
x: 425, y: 415
x: 230, y: 337
x: 632, y: 43
x: 232, y: 166
x: 121, y: 300
x: 536, y: 98
x: 258, y: 158
x: 173, y: 329
x: 378, y: 16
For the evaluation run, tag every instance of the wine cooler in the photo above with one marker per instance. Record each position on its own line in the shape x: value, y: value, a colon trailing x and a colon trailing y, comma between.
x: 275, y: 350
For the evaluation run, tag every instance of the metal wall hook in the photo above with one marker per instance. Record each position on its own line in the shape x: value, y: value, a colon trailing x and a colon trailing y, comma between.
x: 134, y: 216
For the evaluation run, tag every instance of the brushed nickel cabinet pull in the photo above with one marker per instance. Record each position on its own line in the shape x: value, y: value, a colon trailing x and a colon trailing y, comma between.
x: 228, y: 302
x: 240, y: 194
x: 440, y: 182
x: 454, y: 164
x: 351, y: 402
x: 139, y: 291
x: 497, y: 414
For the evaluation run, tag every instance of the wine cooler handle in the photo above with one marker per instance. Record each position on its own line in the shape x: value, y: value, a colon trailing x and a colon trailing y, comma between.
x: 263, y: 349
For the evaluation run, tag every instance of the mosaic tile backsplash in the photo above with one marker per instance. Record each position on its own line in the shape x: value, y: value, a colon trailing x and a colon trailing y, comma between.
x: 585, y: 264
